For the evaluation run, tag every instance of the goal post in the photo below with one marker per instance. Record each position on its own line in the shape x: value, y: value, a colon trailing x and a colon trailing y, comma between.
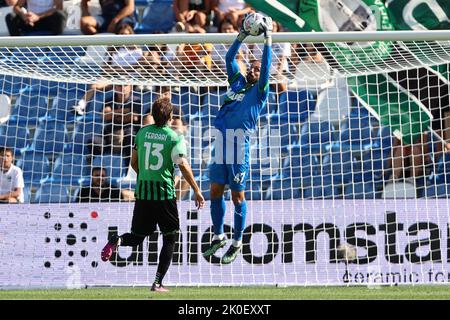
x: 348, y: 174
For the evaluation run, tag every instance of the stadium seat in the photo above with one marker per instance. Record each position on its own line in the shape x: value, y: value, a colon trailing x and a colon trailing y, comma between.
x: 62, y: 106
x: 12, y: 85
x: 316, y: 135
x: 301, y: 164
x: 356, y: 133
x: 114, y: 165
x: 158, y: 17
x: 338, y: 164
x: 52, y: 193
x: 69, y: 169
x: 14, y: 135
x: 29, y: 107
x: 212, y: 101
x: 49, y: 137
x: 26, y: 195
x: 188, y: 101
x: 35, y: 167
x: 253, y: 190
x: 359, y: 190
x: 283, y: 188
x: 297, y: 105
x: 320, y: 188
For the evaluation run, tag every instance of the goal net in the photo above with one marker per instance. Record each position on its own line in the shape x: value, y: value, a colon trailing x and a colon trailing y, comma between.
x: 348, y: 175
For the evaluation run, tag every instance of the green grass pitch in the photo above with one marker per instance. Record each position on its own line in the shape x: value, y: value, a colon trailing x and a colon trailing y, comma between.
x: 237, y: 293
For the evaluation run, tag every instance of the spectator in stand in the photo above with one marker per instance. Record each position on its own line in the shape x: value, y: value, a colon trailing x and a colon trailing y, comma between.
x: 232, y: 10
x: 11, y: 178
x: 115, y: 13
x: 121, y: 60
x: 218, y: 55
x: 36, y: 16
x: 194, y: 57
x: 7, y: 3
x: 191, y: 15
x: 100, y: 189
x: 122, y: 117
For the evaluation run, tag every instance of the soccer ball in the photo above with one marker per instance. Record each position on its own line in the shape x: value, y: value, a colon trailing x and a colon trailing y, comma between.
x: 346, y: 252
x: 253, y: 24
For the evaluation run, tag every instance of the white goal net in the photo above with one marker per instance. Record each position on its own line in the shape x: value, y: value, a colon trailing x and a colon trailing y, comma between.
x: 348, y: 175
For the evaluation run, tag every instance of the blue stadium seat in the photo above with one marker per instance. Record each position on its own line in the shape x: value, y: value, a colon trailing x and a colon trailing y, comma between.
x: 29, y: 108
x: 297, y: 105
x: 69, y: 169
x: 26, y: 194
x: 114, y: 165
x: 356, y: 133
x: 14, y: 135
x: 35, y: 167
x: 375, y: 160
x: 359, y: 190
x: 45, y: 88
x: 52, y: 193
x: 320, y: 188
x: 62, y: 106
x: 158, y: 17
x: 316, y: 135
x: 189, y: 102
x: 254, y: 190
x: 301, y: 164
x: 80, y: 141
x: 212, y: 101
x: 283, y: 188
x: 289, y: 133
x: 12, y: 85
x: 50, y: 137
x: 338, y: 165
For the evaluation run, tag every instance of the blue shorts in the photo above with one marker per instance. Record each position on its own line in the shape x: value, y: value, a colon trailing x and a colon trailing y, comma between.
x: 103, y: 22
x: 234, y: 174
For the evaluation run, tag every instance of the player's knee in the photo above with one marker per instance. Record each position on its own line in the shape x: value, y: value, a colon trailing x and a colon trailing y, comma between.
x: 216, y: 191
x: 237, y: 197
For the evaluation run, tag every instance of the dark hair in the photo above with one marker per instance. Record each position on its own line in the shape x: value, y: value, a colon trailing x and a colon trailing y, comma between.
x: 177, y: 113
x: 5, y: 150
x: 124, y: 26
x: 97, y: 169
x: 162, y: 111
x: 224, y: 21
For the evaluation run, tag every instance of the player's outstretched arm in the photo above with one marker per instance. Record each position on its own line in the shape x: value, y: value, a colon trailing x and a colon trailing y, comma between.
x: 186, y: 170
x: 230, y: 58
x: 266, y: 61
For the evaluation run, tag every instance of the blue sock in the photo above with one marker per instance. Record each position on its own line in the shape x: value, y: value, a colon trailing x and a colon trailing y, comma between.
x: 240, y: 212
x: 218, y: 208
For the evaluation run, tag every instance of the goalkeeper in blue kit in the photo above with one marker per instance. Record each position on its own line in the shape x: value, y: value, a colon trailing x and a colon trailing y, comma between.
x: 244, y: 101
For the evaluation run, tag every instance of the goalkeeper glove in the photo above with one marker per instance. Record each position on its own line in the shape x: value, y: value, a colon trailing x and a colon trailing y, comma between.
x: 267, y: 26
x: 242, y: 33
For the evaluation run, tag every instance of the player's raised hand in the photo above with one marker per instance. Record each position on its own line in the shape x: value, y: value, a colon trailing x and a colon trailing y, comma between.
x: 267, y: 26
x: 242, y: 32
x: 199, y: 200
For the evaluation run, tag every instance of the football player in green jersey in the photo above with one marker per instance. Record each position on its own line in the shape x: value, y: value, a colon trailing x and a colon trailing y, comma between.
x: 157, y: 149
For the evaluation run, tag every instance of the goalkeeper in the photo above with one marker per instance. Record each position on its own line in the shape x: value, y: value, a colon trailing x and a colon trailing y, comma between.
x: 244, y: 101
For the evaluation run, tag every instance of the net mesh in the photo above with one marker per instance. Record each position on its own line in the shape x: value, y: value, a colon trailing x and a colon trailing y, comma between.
x: 359, y: 121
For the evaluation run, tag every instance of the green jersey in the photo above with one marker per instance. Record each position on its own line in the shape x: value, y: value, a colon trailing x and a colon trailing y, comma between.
x: 157, y: 149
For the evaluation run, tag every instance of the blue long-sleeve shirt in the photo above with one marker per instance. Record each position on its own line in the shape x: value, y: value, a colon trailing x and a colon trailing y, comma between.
x: 243, y: 102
